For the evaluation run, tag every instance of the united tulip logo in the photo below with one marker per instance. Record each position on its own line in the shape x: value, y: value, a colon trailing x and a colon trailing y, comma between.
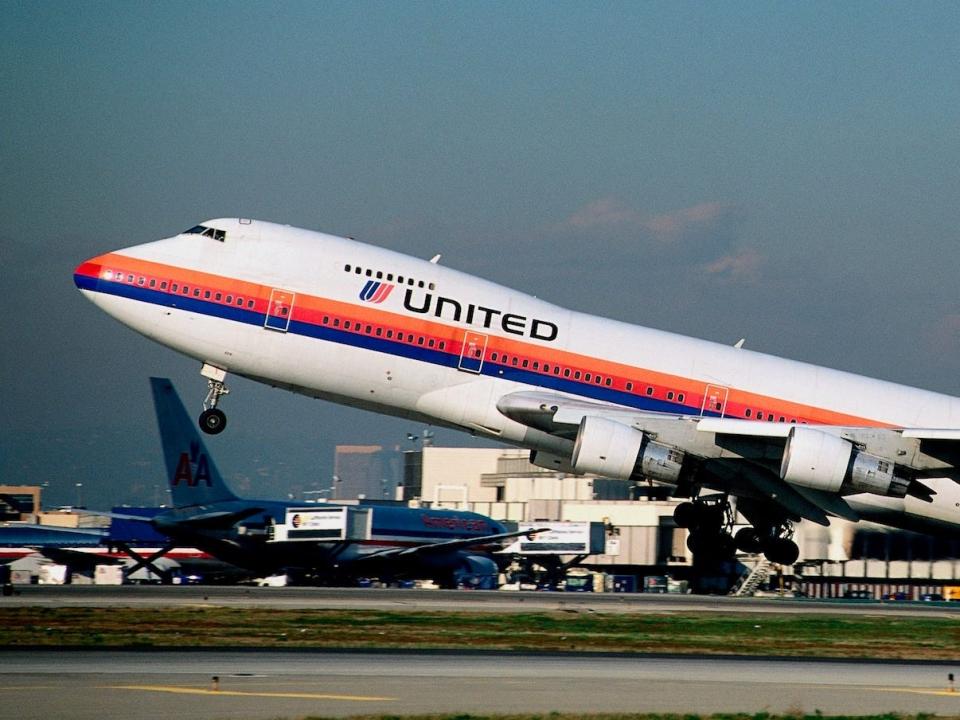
x: 375, y: 291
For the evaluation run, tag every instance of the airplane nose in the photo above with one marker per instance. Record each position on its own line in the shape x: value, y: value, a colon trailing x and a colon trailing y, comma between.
x: 87, y: 274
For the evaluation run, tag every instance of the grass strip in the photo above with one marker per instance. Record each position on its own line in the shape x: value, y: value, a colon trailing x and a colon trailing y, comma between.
x: 767, y: 634
x: 644, y: 716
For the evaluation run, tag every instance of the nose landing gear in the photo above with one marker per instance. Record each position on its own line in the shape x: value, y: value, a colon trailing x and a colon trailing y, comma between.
x: 213, y: 420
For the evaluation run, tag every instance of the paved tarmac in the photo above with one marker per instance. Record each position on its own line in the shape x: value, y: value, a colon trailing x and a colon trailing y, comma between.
x: 95, y: 684
x: 92, y: 685
x: 440, y: 600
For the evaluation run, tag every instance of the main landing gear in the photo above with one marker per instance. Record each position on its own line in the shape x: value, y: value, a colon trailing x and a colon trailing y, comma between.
x: 213, y: 420
x: 709, y: 521
x: 774, y: 542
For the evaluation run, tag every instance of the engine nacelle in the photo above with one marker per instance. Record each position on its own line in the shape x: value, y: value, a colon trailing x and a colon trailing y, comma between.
x: 822, y: 461
x: 661, y: 462
x: 873, y: 474
x: 612, y: 449
x: 551, y: 462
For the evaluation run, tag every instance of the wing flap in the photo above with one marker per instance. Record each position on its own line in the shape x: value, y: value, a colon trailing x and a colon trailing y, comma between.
x: 751, y: 428
x: 931, y: 433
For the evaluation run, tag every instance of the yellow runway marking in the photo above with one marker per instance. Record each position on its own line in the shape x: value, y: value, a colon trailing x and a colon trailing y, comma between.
x: 238, y: 693
x: 922, y: 691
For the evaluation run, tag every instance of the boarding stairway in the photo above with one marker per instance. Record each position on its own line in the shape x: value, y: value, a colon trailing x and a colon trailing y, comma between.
x: 751, y: 580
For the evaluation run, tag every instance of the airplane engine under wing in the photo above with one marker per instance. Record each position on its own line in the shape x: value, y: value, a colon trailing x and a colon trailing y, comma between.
x: 551, y: 461
x: 822, y: 461
x: 612, y: 449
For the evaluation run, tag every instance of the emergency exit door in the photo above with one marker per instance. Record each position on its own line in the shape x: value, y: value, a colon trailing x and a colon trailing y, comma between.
x: 279, y: 310
x: 471, y: 354
x: 714, y: 401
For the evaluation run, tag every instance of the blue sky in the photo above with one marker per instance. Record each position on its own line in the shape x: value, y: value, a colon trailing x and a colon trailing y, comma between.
x: 784, y: 172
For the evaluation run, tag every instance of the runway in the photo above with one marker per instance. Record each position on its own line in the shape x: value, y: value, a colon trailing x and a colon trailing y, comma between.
x: 41, y: 683
x: 92, y: 685
x: 445, y: 600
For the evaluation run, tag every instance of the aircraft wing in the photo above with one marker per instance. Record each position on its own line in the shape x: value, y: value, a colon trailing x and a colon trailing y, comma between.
x: 76, y: 559
x: 212, y: 520
x: 438, y: 548
x: 742, y: 457
x: 61, y: 545
x: 46, y: 536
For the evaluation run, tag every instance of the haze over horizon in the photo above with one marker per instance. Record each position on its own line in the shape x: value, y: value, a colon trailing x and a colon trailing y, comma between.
x: 788, y: 173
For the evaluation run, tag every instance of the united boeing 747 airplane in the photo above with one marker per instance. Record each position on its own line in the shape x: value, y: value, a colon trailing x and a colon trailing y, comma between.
x: 338, y: 319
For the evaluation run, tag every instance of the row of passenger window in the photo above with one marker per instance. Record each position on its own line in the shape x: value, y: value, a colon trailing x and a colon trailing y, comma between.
x: 390, y: 334
x: 769, y: 416
x: 382, y: 332
x: 380, y: 275
x: 595, y: 378
x: 649, y: 390
x: 559, y: 370
x: 180, y: 288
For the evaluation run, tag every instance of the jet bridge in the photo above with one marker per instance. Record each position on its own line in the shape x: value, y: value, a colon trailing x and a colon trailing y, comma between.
x: 323, y: 524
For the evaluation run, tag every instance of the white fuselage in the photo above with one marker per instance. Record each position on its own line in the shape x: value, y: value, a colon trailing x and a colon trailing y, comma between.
x: 438, y: 344
x: 368, y: 327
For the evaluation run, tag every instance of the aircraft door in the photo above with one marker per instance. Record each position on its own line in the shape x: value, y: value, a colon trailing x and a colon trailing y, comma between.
x: 279, y: 310
x: 471, y: 354
x: 714, y: 401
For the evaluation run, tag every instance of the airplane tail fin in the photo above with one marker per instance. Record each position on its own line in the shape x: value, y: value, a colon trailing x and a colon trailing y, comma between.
x: 191, y: 473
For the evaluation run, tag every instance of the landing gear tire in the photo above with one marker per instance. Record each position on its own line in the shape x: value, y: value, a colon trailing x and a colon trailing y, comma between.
x: 725, y: 547
x: 685, y: 515
x: 711, y: 518
x: 700, y: 517
x: 711, y: 545
x: 213, y: 421
x: 781, y: 551
x: 748, y: 540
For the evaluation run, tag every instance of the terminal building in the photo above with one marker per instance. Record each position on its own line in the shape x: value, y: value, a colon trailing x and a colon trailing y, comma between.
x: 643, y: 541
x: 629, y: 538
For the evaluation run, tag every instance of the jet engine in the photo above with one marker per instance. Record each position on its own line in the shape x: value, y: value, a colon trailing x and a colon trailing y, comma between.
x: 606, y: 447
x: 822, y: 461
x: 550, y: 461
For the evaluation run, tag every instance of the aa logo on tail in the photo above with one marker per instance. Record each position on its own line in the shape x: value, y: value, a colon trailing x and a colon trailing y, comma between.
x: 192, y: 468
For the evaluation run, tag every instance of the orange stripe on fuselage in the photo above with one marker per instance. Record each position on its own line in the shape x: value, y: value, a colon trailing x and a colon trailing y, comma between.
x: 312, y: 309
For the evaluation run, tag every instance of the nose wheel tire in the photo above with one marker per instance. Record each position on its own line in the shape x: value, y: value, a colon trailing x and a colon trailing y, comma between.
x: 213, y: 421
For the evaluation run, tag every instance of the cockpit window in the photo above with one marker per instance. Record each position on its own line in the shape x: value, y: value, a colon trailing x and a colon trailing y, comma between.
x: 220, y: 235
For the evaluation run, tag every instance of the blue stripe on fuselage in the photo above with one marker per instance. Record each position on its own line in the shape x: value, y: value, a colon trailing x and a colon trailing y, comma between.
x: 389, y: 347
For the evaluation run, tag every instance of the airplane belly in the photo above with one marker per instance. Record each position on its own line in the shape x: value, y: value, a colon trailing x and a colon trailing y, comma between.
x: 218, y: 342
x: 142, y: 318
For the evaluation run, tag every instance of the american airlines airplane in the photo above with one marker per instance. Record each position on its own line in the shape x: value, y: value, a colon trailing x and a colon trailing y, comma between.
x: 334, y: 541
x: 337, y: 319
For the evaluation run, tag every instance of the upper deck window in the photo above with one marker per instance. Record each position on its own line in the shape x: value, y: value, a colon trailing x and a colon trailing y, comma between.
x: 220, y: 235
